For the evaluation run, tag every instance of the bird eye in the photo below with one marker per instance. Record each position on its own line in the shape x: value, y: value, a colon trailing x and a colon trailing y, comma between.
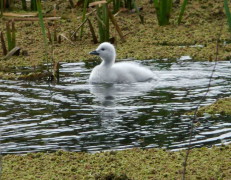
x: 102, y: 49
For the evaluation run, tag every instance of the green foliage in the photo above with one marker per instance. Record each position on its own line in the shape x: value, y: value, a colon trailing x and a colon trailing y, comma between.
x: 117, y: 4
x: 129, y: 4
x: 182, y: 11
x: 33, y: 5
x: 103, y: 22
x: 85, y: 5
x: 163, y: 11
x: 24, y: 7
x: 227, y: 12
x: 5, y: 4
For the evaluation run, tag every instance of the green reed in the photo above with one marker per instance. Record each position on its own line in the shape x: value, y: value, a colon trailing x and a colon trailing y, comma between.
x: 24, y: 6
x: 117, y: 4
x: 227, y: 12
x: 85, y: 5
x: 34, y: 5
x: 103, y: 22
x: 185, y: 2
x: 129, y: 4
x: 41, y: 22
x: 5, y: 4
x: 163, y: 11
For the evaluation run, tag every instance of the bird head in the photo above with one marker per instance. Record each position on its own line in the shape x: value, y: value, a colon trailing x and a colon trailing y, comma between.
x: 106, y: 51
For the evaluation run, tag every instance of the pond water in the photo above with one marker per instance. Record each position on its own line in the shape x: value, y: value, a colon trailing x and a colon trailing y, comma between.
x: 76, y: 116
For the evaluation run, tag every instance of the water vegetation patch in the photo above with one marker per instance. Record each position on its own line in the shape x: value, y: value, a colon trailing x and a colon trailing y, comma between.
x: 221, y: 107
x: 203, y: 163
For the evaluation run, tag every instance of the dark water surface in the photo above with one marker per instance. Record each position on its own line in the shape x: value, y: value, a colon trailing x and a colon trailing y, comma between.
x: 76, y: 116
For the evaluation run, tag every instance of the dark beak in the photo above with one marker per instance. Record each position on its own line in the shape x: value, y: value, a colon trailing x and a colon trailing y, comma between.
x: 94, y: 53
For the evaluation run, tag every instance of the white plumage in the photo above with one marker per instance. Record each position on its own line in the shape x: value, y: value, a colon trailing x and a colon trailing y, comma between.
x: 123, y: 72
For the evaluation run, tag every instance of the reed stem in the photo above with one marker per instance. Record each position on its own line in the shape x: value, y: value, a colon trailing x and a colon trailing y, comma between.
x: 41, y: 22
x: 227, y: 12
x: 24, y: 7
x: 185, y: 2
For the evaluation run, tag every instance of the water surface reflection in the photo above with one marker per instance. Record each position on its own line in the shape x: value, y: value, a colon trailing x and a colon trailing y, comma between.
x: 76, y: 116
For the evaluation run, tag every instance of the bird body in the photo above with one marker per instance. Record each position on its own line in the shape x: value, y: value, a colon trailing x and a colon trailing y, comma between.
x: 121, y: 72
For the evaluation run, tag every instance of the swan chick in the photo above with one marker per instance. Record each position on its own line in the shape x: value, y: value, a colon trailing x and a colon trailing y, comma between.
x: 122, y: 72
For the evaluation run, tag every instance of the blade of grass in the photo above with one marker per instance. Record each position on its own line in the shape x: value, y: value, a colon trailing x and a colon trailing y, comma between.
x: 41, y: 22
x: 182, y: 11
x: 227, y: 12
x: 84, y: 16
x: 106, y: 21
x: 100, y: 24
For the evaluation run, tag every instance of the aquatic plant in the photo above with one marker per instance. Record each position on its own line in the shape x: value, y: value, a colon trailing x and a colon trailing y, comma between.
x: 117, y: 4
x: 5, y: 4
x: 55, y: 75
x: 185, y: 2
x: 163, y: 10
x: 103, y: 22
x: 104, y: 15
x: 85, y: 5
x: 227, y: 12
x: 129, y: 4
x: 24, y: 6
x: 34, y: 5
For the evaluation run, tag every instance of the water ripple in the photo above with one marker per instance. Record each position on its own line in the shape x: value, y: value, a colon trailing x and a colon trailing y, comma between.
x: 76, y: 116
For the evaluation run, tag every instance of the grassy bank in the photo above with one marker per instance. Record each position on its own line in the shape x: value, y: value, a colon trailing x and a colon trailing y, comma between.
x: 133, y: 164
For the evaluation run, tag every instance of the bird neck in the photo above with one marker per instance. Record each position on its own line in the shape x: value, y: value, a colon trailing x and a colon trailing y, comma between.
x: 108, y: 62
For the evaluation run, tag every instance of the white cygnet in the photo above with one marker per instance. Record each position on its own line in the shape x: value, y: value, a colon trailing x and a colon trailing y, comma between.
x: 123, y: 72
